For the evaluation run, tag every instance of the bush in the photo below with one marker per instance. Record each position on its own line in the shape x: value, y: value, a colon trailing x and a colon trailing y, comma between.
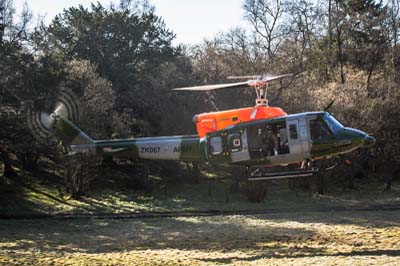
x: 255, y: 191
x: 79, y: 172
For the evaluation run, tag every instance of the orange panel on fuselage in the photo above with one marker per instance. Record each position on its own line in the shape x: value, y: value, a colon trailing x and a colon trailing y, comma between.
x: 209, y: 122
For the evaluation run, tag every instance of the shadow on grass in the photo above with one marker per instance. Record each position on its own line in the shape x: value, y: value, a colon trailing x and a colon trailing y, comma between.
x: 48, y: 195
x: 254, y: 237
x: 98, y: 206
x: 302, y: 253
x: 376, y: 219
x: 120, y: 236
x: 13, y: 198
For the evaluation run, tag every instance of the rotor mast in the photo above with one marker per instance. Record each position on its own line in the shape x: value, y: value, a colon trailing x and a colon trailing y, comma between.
x: 261, y: 89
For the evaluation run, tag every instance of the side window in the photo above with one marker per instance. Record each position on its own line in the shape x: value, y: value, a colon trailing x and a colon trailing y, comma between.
x: 318, y: 130
x: 215, y: 145
x: 293, y: 132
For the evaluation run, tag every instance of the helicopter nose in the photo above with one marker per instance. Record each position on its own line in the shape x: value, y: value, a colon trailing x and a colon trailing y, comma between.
x: 368, y: 141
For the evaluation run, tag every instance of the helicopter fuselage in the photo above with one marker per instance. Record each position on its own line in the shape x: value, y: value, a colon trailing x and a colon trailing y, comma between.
x: 284, y: 140
x: 278, y: 141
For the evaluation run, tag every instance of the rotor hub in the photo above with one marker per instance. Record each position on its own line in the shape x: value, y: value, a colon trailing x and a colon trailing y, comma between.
x: 261, y: 89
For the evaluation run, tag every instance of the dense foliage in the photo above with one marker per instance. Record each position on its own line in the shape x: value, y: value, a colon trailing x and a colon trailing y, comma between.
x: 121, y: 63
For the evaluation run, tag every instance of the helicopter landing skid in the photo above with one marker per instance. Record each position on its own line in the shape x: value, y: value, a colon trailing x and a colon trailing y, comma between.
x: 259, y: 175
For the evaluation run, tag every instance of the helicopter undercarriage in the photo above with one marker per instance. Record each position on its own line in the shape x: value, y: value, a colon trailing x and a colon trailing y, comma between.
x: 307, y: 169
x: 259, y: 174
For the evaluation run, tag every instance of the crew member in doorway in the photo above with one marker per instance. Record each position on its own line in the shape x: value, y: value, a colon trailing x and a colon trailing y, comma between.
x: 271, y: 142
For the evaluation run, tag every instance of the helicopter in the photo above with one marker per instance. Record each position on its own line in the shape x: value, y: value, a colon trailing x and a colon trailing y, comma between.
x: 254, y: 137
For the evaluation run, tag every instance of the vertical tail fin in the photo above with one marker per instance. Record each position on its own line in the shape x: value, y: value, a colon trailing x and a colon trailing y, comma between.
x: 72, y: 136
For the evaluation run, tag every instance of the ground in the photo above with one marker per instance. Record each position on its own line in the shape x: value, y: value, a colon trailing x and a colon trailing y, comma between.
x: 43, y: 194
x: 316, y: 238
x: 290, y: 237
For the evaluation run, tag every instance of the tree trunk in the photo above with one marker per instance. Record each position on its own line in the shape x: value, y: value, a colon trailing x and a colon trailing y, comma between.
x: 340, y: 49
x: 340, y: 58
x: 369, y: 78
x: 329, y: 53
x: 255, y: 191
x: 2, y: 26
x: 8, y: 170
x: 388, y: 182
x: 195, y: 172
x: 29, y: 160
x: 321, y: 184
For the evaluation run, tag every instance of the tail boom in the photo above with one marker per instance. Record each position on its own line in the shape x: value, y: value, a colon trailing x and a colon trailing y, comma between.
x: 183, y: 148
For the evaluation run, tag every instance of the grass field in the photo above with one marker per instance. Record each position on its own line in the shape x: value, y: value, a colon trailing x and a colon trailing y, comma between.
x: 337, y: 238
x: 26, y: 195
x: 291, y: 238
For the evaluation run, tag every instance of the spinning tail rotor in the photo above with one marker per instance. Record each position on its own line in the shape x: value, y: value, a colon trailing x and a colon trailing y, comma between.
x: 43, y: 125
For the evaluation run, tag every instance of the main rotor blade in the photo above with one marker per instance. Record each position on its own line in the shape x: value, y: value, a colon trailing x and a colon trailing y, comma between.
x: 253, y: 79
x: 245, y: 77
x: 264, y: 77
x: 213, y: 87
x: 268, y: 78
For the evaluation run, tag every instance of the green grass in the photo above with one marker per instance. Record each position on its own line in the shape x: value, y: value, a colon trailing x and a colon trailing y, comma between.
x: 29, y: 194
x: 334, y: 238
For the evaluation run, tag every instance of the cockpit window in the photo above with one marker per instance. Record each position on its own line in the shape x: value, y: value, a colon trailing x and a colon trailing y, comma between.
x: 333, y: 124
x: 319, y: 130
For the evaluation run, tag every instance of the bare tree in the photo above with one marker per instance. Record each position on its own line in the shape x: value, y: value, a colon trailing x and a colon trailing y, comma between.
x: 79, y: 172
x: 6, y: 16
x: 392, y: 66
x: 339, y: 18
x: 330, y: 34
x: 394, y: 12
x: 13, y: 32
x: 303, y: 28
x: 267, y: 18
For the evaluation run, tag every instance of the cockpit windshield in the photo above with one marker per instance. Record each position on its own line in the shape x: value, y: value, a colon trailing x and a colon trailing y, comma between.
x: 333, y: 124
